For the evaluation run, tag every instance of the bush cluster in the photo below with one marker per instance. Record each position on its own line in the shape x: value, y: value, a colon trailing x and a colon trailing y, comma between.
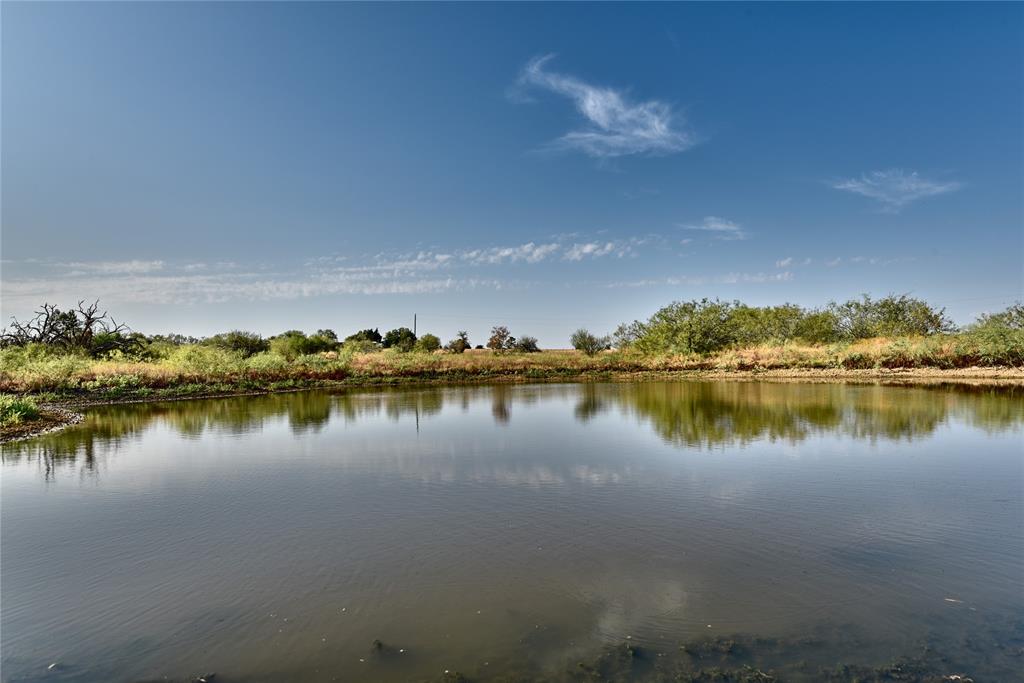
x: 707, y: 325
x: 502, y: 341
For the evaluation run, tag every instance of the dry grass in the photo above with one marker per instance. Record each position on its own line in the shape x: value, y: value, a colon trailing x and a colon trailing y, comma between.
x: 194, y: 370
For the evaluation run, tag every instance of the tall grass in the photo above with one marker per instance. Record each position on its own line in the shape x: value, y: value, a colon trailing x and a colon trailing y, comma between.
x: 202, y: 368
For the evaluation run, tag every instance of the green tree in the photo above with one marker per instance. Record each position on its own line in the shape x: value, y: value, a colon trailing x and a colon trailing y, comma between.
x: 818, y: 327
x: 1012, y: 318
x: 501, y: 339
x: 428, y: 343
x: 246, y: 343
x: 891, y: 316
x: 367, y: 335
x: 583, y: 340
x: 526, y: 344
x: 290, y: 344
x: 689, y: 327
x: 759, y: 325
x: 401, y: 339
x: 460, y: 343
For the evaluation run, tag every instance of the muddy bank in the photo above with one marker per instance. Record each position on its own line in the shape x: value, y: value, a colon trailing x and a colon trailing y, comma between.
x: 105, y: 395
x: 51, y: 419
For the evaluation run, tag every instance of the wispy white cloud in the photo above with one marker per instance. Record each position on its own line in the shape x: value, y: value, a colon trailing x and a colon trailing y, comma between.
x: 615, y: 126
x: 113, y: 267
x: 894, y: 188
x: 728, y: 278
x: 421, y: 272
x: 790, y: 261
x: 722, y: 228
x: 578, y: 252
x: 733, y: 278
x: 834, y: 262
x: 529, y: 253
x: 185, y: 288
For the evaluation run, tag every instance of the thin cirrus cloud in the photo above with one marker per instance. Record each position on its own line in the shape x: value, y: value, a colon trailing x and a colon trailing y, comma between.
x: 614, y: 125
x: 894, y: 188
x: 578, y: 252
x: 728, y: 279
x: 114, y: 267
x: 423, y: 272
x: 528, y: 253
x: 790, y: 261
x: 721, y: 228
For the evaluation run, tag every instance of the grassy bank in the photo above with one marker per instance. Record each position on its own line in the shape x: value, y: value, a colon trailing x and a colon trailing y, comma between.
x: 201, y: 370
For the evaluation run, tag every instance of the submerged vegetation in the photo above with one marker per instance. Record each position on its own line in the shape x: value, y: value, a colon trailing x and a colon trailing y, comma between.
x: 83, y: 352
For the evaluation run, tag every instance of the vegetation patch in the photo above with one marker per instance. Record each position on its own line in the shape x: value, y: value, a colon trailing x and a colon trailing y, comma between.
x: 83, y: 353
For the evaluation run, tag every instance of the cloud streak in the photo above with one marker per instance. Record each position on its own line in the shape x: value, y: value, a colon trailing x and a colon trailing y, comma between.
x: 894, y: 188
x: 614, y: 125
x: 720, y: 227
x: 422, y: 272
x: 697, y: 280
x: 578, y: 252
x: 114, y: 267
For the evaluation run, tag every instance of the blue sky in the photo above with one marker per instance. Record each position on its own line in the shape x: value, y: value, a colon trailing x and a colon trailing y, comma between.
x: 200, y: 167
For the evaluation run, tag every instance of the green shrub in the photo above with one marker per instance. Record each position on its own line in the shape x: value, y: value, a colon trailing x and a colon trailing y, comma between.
x: 206, y: 360
x: 757, y: 325
x: 688, y: 327
x: 36, y: 367
x: 294, y: 343
x: 366, y: 335
x: 267, y: 362
x: 526, y: 344
x: 818, y: 327
x: 460, y: 343
x: 428, y: 343
x: 1012, y: 318
x: 583, y: 340
x: 17, y: 409
x: 857, y: 360
x: 245, y: 343
x: 353, y: 346
x: 997, y: 344
x: 891, y: 316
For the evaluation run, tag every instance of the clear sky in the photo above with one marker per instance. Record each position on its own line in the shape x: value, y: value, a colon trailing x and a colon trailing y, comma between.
x: 201, y: 167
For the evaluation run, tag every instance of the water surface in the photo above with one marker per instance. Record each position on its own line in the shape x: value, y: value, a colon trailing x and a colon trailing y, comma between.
x: 562, y: 531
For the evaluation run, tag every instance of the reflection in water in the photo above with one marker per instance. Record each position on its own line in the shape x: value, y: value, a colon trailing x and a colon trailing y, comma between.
x: 513, y: 531
x: 688, y: 414
x: 715, y: 414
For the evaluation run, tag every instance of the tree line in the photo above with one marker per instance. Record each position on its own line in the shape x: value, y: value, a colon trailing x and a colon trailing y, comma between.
x: 709, y: 325
x: 88, y: 331
x: 697, y: 326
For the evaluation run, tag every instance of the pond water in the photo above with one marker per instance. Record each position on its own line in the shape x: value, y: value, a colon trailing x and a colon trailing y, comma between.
x: 521, y: 532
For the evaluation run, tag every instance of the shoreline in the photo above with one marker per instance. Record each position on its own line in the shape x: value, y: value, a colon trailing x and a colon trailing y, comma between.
x: 59, y: 413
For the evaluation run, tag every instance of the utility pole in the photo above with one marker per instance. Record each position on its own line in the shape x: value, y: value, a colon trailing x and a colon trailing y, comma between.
x: 414, y: 324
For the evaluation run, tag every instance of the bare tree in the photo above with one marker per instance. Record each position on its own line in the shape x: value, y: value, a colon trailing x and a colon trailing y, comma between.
x: 83, y: 328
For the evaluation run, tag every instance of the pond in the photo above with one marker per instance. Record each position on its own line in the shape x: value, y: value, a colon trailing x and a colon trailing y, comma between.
x: 522, y: 532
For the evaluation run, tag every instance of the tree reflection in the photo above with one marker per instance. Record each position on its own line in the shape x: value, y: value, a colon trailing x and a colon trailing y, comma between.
x: 717, y: 413
x: 688, y: 414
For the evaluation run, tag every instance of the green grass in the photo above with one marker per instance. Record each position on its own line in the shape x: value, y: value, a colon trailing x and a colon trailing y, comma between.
x: 17, y: 409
